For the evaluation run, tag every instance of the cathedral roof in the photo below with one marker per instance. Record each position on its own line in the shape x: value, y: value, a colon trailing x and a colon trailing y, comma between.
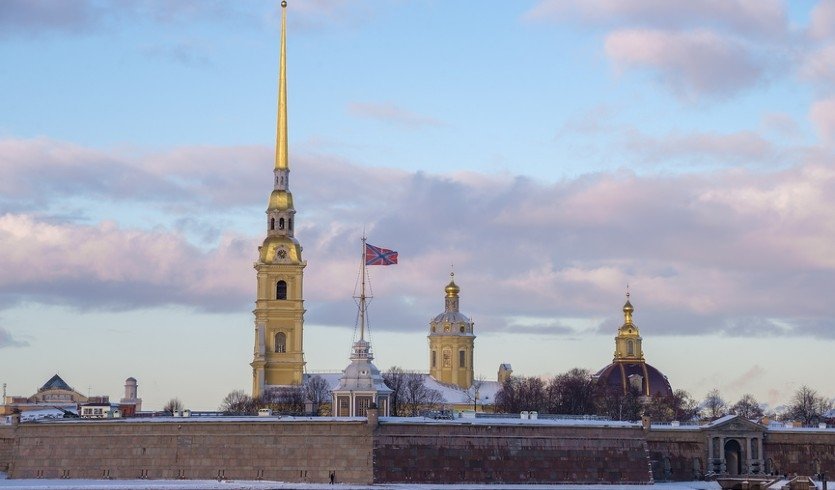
x: 653, y: 382
x: 55, y: 383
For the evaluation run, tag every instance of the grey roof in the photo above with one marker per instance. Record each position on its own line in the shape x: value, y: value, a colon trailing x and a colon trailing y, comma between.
x: 55, y: 383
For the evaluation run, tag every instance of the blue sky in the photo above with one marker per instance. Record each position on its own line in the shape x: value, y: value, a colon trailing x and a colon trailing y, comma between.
x: 552, y: 150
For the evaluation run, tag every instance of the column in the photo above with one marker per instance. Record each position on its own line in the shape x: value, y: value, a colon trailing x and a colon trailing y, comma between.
x: 749, y: 461
x: 723, y: 465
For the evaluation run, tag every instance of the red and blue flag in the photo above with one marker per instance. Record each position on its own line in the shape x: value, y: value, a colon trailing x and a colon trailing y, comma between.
x: 379, y: 256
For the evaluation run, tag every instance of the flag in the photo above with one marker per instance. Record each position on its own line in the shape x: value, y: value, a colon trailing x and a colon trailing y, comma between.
x: 379, y: 256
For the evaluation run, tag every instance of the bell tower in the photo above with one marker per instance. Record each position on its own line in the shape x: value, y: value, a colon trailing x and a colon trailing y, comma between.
x: 628, y: 341
x: 278, y: 358
x: 451, y: 340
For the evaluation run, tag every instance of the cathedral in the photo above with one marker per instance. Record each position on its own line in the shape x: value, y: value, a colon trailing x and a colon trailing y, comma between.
x: 278, y: 354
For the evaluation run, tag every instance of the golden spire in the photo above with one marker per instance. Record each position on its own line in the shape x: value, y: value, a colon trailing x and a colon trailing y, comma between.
x: 281, y: 159
x: 627, y: 309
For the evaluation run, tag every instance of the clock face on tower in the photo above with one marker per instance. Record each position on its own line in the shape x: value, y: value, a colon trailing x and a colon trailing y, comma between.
x: 281, y: 254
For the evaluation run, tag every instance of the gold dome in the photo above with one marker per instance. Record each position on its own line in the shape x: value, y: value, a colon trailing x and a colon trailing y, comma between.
x: 277, y: 245
x: 452, y: 289
x: 280, y: 200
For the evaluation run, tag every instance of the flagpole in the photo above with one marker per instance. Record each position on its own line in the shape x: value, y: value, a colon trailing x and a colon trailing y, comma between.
x: 362, y: 291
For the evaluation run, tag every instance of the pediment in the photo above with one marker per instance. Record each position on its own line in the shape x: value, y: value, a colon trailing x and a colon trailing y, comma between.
x: 734, y: 423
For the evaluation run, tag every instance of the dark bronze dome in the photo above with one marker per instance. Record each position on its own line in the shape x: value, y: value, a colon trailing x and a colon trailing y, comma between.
x: 617, y: 375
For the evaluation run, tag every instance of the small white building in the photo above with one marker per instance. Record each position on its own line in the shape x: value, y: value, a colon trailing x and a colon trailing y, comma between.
x: 361, y: 385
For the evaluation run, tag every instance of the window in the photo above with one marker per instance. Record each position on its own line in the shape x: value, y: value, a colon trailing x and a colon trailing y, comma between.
x: 462, y: 358
x: 280, y: 223
x: 281, y: 290
x: 281, y: 342
x: 290, y: 224
x: 630, y: 348
x: 461, y: 329
x: 447, y: 358
x: 272, y: 223
x: 433, y: 359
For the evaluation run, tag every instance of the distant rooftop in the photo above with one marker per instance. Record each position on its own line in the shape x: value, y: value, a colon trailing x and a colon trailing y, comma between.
x: 55, y: 383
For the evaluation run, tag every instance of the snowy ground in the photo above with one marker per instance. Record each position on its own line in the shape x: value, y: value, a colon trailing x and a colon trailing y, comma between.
x: 262, y: 485
x: 266, y: 485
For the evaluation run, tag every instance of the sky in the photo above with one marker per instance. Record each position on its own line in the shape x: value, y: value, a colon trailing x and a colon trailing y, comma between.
x: 549, y: 151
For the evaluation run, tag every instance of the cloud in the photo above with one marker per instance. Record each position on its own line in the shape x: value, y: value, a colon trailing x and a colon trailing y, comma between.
x: 727, y: 251
x: 7, y: 340
x: 819, y: 65
x: 761, y: 18
x: 105, y: 266
x: 691, y: 64
x: 34, y: 16
x: 31, y: 18
x: 822, y: 20
x: 389, y: 113
x: 699, y: 148
x: 750, y: 379
x: 183, y: 53
x: 822, y: 115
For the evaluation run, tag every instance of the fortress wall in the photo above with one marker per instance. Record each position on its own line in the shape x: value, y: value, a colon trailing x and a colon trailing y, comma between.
x: 677, y: 454
x: 802, y: 452
x: 291, y: 451
x: 7, y: 439
x: 480, y: 453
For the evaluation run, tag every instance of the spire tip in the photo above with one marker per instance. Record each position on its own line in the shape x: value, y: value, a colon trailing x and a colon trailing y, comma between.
x: 284, y: 4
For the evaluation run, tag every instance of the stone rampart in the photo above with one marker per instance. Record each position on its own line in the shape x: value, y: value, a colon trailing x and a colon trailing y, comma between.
x: 273, y: 449
x: 804, y: 452
x: 7, y: 440
x: 504, y: 453
x: 677, y: 454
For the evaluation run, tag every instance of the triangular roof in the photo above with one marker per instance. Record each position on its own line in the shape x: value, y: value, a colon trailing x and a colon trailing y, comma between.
x: 734, y: 422
x: 56, y: 383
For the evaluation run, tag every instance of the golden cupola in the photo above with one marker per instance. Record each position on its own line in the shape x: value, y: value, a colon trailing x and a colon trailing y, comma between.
x: 628, y: 340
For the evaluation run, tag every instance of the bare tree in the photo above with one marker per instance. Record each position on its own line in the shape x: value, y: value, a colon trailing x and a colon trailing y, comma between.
x: 317, y: 391
x: 714, y: 406
x: 395, y: 379
x: 685, y: 407
x: 807, y: 406
x: 474, y: 391
x: 237, y: 402
x: 507, y: 400
x: 417, y: 397
x: 612, y: 402
x: 286, y: 399
x: 572, y: 393
x: 747, y: 407
x: 172, y: 405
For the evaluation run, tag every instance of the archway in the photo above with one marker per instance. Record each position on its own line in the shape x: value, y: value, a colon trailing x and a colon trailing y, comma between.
x: 733, y: 457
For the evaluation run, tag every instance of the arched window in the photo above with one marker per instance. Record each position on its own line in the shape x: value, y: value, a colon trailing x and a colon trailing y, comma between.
x: 290, y: 224
x: 434, y: 363
x: 630, y: 348
x: 272, y: 223
x: 280, y: 342
x: 447, y: 353
x: 280, y: 223
x: 281, y: 290
x: 462, y: 358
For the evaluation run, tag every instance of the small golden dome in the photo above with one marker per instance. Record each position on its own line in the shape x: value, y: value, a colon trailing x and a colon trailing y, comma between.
x: 627, y: 308
x: 278, y: 248
x: 280, y: 200
x: 452, y: 289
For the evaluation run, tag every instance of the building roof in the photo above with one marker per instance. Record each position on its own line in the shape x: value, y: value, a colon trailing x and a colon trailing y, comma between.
x: 653, y: 382
x: 55, y: 383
